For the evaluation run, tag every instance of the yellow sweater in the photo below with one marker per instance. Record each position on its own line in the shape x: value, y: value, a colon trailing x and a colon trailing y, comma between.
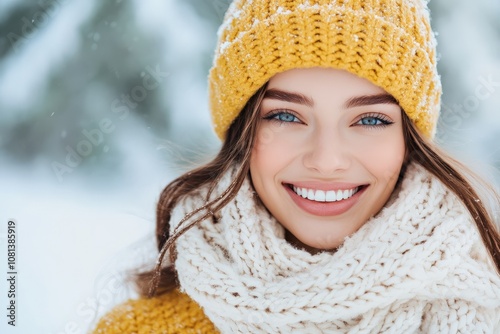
x: 170, y: 313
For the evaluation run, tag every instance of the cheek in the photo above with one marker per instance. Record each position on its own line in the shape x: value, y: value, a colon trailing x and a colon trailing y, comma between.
x: 383, y: 156
x: 271, y: 154
x: 272, y: 149
x: 260, y: 164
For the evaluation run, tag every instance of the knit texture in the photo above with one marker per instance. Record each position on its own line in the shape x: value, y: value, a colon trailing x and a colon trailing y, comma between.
x: 171, y: 313
x: 419, y: 266
x: 388, y: 42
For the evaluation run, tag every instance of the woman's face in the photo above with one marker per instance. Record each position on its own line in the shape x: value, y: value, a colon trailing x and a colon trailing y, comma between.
x: 328, y: 153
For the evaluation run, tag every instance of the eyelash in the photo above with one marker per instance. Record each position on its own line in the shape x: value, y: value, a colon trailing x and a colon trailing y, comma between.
x: 381, y: 119
x: 274, y: 116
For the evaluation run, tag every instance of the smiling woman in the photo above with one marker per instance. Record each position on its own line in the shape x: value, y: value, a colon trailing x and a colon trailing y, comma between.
x: 332, y: 153
x: 328, y: 209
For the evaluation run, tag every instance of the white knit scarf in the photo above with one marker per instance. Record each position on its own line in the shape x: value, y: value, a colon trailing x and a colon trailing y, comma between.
x: 419, y: 266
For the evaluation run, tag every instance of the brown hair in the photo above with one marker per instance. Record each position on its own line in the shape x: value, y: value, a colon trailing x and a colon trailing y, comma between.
x: 237, y: 148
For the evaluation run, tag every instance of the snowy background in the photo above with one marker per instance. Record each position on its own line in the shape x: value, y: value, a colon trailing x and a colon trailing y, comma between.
x: 69, y: 67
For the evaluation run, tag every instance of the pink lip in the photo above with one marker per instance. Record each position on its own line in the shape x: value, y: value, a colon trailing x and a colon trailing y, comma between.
x: 325, y: 208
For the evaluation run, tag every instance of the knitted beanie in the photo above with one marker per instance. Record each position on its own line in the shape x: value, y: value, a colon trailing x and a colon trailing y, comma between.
x: 388, y: 42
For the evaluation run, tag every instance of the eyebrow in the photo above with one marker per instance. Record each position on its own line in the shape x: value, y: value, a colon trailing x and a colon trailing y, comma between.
x: 368, y: 100
x: 281, y: 95
x: 357, y: 101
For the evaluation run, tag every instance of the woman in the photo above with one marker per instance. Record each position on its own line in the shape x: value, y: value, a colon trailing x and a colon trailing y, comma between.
x: 328, y: 208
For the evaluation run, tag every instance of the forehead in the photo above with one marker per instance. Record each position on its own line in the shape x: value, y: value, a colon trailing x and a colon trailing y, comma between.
x: 326, y: 88
x: 317, y: 79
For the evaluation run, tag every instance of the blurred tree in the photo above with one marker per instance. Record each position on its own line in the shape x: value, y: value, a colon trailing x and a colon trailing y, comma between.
x: 212, y: 12
x: 115, y: 74
x: 469, y: 52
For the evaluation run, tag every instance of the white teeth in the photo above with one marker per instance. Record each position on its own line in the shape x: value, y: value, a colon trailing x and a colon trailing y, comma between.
x: 325, y: 196
x: 310, y: 194
x: 330, y: 196
x: 320, y: 196
x: 340, y: 195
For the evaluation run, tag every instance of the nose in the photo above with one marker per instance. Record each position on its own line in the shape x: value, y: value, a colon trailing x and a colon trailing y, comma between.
x: 327, y: 153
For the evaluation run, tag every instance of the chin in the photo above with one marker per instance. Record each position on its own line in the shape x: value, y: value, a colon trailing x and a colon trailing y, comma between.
x: 315, y: 243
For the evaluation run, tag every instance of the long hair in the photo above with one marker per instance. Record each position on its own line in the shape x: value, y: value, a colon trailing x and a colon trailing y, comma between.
x: 236, y: 150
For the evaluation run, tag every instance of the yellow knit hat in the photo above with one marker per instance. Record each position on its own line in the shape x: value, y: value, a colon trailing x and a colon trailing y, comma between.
x: 388, y: 42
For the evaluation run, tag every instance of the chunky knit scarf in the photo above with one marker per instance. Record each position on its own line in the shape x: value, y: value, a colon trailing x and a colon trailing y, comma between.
x: 419, y: 266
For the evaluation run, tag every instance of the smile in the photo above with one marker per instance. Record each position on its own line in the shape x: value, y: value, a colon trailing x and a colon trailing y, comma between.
x: 325, y: 196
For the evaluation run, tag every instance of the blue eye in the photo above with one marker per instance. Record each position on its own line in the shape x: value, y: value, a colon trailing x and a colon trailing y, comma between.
x: 283, y: 117
x: 373, y: 120
x: 370, y: 121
